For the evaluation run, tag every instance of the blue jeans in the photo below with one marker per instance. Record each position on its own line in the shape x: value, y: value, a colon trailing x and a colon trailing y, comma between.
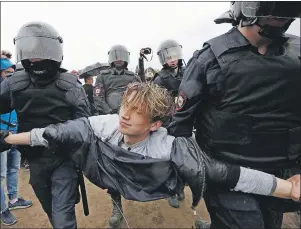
x: 10, y: 164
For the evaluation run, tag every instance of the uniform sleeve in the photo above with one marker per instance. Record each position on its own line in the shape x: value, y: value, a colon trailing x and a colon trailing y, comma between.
x: 99, y: 93
x: 5, y: 101
x: 79, y: 101
x: 141, y: 69
x: 191, y: 95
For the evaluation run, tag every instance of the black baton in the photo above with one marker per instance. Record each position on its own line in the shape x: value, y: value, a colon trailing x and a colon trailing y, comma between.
x: 83, y: 192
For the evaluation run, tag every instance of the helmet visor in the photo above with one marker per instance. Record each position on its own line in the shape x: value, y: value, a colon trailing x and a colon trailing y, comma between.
x: 38, y: 48
x: 115, y: 55
x: 170, y: 54
x: 271, y: 9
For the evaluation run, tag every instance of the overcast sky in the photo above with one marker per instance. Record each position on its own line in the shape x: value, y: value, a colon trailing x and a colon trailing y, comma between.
x: 89, y: 29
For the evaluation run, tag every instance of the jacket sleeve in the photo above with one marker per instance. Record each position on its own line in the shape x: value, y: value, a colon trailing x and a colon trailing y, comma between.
x: 191, y: 94
x: 99, y: 93
x: 197, y: 169
x: 5, y: 101
x: 71, y: 135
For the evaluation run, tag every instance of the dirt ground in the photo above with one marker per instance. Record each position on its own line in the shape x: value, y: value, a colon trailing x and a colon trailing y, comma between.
x: 156, y: 214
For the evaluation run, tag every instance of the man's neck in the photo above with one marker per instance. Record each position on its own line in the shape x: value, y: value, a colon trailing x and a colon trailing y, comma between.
x: 255, y: 39
x: 132, y: 140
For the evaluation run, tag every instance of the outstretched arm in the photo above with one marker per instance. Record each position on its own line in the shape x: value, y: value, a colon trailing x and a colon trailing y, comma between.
x: 257, y: 182
x: 32, y: 138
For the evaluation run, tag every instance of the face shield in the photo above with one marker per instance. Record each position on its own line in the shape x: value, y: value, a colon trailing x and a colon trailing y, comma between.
x: 116, y: 55
x: 42, y: 47
x: 170, y: 54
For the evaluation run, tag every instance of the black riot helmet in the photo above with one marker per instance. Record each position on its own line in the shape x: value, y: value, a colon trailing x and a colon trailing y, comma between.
x: 38, y: 40
x: 248, y: 14
x: 119, y: 52
x: 169, y: 50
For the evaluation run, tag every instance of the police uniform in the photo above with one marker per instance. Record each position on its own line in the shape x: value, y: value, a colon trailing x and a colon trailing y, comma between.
x: 109, y: 87
x: 247, y: 112
x: 43, y: 94
x: 170, y: 80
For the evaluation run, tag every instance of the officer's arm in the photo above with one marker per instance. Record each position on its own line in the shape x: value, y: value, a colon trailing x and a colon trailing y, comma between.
x: 5, y: 101
x: 100, y: 97
x: 79, y: 101
x: 141, y: 69
x: 191, y: 95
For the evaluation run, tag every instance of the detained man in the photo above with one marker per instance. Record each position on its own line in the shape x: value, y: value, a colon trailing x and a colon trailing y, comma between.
x: 137, y: 130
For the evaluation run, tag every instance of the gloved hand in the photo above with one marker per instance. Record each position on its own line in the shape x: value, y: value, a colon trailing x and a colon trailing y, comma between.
x: 3, y: 145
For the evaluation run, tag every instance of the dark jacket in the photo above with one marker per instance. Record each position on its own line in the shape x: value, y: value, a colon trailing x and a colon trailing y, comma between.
x: 134, y: 176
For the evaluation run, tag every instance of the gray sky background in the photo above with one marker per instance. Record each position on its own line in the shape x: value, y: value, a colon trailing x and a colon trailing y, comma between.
x: 89, y: 29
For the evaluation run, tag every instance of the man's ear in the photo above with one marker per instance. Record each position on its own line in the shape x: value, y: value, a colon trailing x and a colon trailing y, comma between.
x: 156, y: 125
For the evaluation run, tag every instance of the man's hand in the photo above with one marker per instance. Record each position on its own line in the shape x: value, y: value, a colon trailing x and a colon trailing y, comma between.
x: 295, y: 180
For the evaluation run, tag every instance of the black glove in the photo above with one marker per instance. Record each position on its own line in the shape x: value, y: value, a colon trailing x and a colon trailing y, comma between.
x: 3, y: 145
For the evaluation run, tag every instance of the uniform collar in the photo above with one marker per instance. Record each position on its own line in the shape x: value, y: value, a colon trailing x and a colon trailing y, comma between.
x: 235, y: 39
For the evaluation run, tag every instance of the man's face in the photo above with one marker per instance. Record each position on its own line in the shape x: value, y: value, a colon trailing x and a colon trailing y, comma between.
x: 6, y: 72
x: 172, y: 63
x: 135, y: 123
x: 90, y: 80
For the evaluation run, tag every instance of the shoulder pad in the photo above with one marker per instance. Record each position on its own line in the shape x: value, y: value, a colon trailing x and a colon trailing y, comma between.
x: 197, y: 53
x: 63, y: 70
x: 218, y: 45
x: 19, y: 81
x: 66, y: 81
x: 127, y: 72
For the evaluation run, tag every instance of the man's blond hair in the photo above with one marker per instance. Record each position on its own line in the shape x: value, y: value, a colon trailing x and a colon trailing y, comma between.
x: 150, y: 99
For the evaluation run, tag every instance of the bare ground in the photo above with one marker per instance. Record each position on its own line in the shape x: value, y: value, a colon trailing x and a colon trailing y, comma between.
x: 156, y: 214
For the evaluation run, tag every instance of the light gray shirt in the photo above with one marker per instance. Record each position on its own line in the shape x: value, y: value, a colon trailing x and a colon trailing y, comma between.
x: 106, y: 127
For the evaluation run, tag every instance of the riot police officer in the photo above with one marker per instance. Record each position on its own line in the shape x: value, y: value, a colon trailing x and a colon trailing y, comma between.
x: 44, y: 94
x: 111, y: 83
x: 170, y: 76
x: 243, y: 88
x: 170, y: 55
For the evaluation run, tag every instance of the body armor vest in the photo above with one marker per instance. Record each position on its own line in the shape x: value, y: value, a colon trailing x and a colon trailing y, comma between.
x: 38, y: 107
x: 256, y: 120
x: 115, y: 85
x: 171, y: 80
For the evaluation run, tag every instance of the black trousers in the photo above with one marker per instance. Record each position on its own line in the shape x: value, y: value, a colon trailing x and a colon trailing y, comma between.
x: 229, y: 209
x: 55, y: 184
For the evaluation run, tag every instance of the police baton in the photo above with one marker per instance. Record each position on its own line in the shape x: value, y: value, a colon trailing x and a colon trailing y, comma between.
x: 83, y: 192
